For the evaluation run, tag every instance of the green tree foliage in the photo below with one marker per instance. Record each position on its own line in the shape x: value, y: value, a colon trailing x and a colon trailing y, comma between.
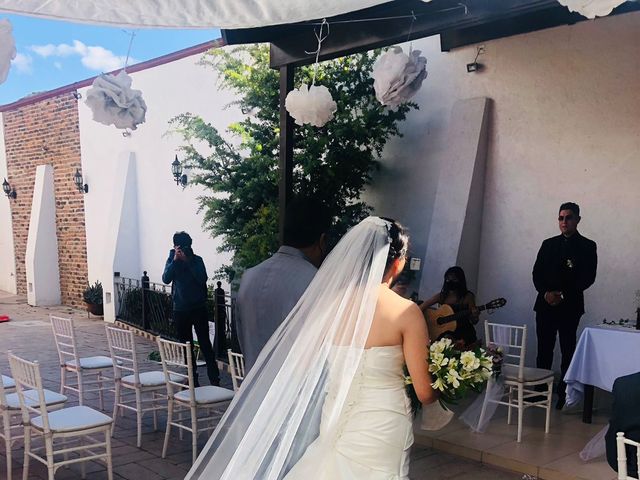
x: 333, y: 163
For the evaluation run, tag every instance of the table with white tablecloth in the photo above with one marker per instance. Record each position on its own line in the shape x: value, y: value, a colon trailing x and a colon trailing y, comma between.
x: 603, y: 354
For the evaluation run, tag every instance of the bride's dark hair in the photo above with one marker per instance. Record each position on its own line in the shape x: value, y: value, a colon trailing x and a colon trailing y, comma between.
x: 399, y: 242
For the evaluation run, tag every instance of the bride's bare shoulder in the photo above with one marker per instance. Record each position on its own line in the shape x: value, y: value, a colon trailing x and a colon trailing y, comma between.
x: 390, y: 301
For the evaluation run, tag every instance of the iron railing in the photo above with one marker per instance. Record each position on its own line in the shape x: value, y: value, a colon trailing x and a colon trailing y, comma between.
x: 147, y: 306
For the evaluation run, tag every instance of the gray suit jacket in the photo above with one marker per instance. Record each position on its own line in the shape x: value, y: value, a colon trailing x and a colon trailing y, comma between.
x: 268, y: 292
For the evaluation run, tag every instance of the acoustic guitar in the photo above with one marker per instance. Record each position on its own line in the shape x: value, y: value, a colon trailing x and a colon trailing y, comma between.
x: 443, y: 319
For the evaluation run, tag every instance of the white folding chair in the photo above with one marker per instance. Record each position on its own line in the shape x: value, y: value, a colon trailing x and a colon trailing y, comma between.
x: 236, y: 368
x: 10, y: 409
x: 74, y: 423
x: 621, y: 443
x: 517, y: 377
x: 148, y: 388
x: 176, y: 364
x: 84, y: 368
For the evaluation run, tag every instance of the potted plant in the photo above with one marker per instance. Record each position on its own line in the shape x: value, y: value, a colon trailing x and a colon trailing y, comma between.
x: 92, y: 297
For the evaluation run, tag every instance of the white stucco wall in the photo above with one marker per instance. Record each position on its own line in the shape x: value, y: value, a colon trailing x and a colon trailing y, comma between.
x: 565, y: 126
x: 162, y: 207
x: 41, y: 257
x: 7, y: 259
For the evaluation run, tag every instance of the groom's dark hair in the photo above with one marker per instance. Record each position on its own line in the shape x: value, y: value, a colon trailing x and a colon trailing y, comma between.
x: 306, y: 220
x: 574, y: 207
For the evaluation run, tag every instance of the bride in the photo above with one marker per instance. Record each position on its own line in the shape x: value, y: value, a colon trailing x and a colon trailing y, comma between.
x: 326, y: 398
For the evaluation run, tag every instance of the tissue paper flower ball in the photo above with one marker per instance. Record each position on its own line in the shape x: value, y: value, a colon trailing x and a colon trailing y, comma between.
x: 313, y: 105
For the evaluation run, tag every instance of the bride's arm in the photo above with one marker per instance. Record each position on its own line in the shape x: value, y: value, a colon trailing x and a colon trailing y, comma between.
x: 414, y: 343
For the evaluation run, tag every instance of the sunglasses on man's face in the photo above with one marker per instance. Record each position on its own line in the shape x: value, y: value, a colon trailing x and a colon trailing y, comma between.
x: 565, y: 217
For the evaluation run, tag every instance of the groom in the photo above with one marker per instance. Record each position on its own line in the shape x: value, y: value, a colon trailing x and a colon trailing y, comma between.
x: 565, y: 267
x: 271, y: 289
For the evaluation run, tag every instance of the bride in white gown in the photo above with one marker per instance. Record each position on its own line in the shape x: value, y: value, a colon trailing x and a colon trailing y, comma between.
x: 326, y: 398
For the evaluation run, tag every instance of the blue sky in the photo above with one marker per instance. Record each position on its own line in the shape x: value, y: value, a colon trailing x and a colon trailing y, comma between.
x: 52, y: 54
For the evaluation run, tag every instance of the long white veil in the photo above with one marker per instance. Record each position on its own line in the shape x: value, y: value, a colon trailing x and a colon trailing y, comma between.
x: 276, y: 413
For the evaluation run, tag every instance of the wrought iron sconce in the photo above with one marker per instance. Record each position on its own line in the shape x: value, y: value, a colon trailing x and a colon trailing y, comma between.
x: 475, y: 66
x: 8, y: 191
x: 179, y: 177
x: 80, y: 185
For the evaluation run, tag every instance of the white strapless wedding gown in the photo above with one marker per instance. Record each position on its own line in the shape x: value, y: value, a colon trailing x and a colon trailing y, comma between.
x: 374, y: 431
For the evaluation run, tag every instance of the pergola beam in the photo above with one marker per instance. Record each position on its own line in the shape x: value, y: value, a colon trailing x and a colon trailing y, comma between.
x: 437, y: 17
x: 529, y: 22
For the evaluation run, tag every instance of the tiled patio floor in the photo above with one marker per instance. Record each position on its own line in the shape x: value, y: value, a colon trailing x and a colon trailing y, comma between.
x: 453, y: 453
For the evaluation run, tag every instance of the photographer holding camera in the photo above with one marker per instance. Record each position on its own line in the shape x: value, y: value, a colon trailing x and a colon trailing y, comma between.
x: 188, y: 276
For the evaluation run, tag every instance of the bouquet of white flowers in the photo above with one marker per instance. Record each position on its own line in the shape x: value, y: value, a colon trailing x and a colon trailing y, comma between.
x: 455, y: 372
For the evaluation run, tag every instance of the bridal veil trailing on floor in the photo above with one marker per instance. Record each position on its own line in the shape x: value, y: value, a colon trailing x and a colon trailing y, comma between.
x: 314, y: 376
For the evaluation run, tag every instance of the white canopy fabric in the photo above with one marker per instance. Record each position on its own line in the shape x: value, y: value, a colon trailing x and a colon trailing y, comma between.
x: 185, y: 14
x: 229, y: 14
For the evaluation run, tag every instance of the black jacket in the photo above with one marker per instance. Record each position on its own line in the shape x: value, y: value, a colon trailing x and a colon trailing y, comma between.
x: 189, y: 279
x: 567, y: 265
x: 625, y: 417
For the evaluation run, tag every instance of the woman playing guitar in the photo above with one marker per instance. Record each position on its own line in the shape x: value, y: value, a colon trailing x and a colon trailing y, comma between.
x: 455, y: 294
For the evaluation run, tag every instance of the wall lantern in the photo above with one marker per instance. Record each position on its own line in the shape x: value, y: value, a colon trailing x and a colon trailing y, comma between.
x: 475, y: 66
x: 77, y: 179
x: 8, y: 191
x: 179, y: 177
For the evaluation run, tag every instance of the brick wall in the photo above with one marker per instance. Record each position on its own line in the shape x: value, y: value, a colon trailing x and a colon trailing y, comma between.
x: 47, y: 132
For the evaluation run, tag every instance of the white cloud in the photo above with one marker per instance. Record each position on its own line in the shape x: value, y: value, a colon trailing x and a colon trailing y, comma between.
x: 23, y: 63
x: 93, y: 57
x: 43, y: 50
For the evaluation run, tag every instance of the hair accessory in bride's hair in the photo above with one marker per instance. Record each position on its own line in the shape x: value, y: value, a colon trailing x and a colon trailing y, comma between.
x: 382, y: 222
x: 377, y: 221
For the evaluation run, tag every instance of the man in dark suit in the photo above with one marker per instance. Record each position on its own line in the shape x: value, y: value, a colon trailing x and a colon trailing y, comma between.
x: 564, y: 269
x: 625, y: 417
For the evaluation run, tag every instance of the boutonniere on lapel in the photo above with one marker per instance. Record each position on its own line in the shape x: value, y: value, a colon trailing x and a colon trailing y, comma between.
x: 569, y: 263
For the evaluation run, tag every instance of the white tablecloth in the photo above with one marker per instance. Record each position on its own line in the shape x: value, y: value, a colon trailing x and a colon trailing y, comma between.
x: 603, y: 354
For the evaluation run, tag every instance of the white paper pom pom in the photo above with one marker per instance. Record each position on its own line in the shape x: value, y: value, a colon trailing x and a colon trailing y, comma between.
x: 7, y: 48
x: 113, y: 102
x: 313, y: 105
x: 398, y: 76
x: 592, y: 8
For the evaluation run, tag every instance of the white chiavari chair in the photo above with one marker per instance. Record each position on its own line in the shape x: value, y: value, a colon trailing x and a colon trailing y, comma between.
x: 184, y: 399
x: 518, y: 379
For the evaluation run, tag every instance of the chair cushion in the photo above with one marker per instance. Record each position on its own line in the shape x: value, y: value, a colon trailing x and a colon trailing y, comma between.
x: 73, y: 418
x: 206, y: 394
x: 151, y: 379
x: 31, y: 398
x: 89, y: 363
x: 8, y: 382
x: 530, y: 374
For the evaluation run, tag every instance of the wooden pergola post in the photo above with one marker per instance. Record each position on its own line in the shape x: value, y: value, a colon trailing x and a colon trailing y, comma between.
x: 285, y: 185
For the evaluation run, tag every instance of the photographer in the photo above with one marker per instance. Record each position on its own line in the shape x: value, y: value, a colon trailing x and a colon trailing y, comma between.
x: 188, y: 275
